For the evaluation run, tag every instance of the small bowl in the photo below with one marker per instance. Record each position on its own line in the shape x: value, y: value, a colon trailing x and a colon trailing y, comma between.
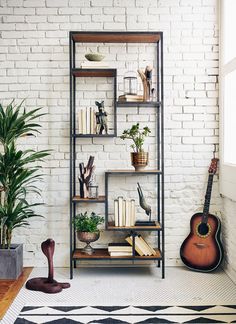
x: 94, y: 57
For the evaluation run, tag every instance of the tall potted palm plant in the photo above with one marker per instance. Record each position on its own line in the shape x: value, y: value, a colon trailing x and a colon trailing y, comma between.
x: 19, y: 172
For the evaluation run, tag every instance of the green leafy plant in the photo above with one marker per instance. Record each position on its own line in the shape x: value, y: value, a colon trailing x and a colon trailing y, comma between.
x: 87, y: 223
x: 19, y: 170
x: 137, y: 135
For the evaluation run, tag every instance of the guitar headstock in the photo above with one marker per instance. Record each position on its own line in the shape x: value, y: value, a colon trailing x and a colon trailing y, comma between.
x: 213, y: 167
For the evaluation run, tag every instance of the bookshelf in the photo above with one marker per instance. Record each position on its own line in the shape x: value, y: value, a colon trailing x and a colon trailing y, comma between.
x: 76, y: 39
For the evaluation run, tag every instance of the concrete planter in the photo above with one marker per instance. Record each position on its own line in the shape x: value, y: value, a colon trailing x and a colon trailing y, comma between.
x: 11, y: 262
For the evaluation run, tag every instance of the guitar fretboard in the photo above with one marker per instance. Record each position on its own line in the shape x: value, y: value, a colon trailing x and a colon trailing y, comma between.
x: 207, y: 199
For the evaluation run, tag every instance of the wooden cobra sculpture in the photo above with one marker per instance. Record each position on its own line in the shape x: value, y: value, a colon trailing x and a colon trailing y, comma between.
x: 47, y: 285
x: 143, y: 203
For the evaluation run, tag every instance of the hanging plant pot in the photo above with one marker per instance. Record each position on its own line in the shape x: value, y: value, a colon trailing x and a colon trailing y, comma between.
x: 11, y: 262
x: 139, y: 160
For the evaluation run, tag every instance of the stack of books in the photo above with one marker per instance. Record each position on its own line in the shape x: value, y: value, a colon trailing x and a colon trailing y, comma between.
x: 130, y: 98
x: 124, y: 211
x: 94, y: 65
x: 141, y: 246
x: 120, y: 249
x: 87, y: 121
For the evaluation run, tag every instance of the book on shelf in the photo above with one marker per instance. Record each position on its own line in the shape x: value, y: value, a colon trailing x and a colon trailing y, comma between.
x: 124, y: 212
x: 141, y: 246
x: 127, y: 98
x: 120, y: 253
x: 87, y: 121
x: 119, y: 247
x: 94, y: 65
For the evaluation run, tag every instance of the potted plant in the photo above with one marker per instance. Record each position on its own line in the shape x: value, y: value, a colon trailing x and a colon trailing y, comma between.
x: 87, y: 229
x: 139, y: 158
x: 19, y: 170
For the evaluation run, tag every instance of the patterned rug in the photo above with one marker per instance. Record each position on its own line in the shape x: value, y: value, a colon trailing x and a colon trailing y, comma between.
x: 127, y: 314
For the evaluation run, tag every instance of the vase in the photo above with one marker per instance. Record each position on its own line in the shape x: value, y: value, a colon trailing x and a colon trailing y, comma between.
x: 139, y: 160
x: 88, y: 237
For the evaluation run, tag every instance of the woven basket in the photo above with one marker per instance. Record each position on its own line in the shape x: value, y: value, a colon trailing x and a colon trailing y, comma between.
x: 139, y: 160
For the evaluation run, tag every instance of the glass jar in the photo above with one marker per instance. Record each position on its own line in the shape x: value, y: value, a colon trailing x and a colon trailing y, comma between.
x: 130, y: 81
x: 92, y: 191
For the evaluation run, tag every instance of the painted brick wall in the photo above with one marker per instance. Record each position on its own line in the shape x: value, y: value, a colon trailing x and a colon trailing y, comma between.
x: 34, y: 65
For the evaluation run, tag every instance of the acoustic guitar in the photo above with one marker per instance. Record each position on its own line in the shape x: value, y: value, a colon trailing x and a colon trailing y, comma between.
x: 202, y: 250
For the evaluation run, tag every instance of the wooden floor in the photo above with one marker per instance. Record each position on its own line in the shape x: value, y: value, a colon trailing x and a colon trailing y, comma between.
x: 9, y: 290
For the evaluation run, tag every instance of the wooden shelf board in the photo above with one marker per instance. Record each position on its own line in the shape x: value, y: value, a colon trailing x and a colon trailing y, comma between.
x: 136, y: 104
x: 132, y: 172
x: 116, y: 37
x: 111, y: 226
x: 94, y: 72
x: 93, y: 135
x: 102, y: 254
x: 77, y: 199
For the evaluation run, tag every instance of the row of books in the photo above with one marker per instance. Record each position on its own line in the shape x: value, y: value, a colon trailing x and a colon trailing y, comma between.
x: 94, y: 65
x: 87, y: 120
x: 124, y: 211
x: 126, y: 249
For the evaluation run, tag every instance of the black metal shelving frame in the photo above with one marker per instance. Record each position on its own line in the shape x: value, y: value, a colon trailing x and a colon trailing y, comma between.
x: 117, y: 37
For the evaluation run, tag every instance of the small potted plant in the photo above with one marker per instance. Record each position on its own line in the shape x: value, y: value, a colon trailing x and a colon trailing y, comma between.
x: 87, y: 230
x: 139, y: 158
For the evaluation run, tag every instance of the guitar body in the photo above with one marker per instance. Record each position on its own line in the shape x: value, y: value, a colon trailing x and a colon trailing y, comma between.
x: 202, y: 250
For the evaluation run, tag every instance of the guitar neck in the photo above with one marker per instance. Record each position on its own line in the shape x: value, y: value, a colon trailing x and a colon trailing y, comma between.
x: 207, y: 198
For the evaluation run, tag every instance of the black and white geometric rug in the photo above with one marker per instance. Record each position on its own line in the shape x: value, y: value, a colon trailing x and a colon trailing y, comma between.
x: 127, y: 314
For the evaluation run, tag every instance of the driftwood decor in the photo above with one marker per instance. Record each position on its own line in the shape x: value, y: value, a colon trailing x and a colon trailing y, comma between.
x: 146, y: 78
x: 85, y: 177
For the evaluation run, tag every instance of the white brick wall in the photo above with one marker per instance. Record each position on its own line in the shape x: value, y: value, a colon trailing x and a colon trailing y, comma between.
x: 34, y: 65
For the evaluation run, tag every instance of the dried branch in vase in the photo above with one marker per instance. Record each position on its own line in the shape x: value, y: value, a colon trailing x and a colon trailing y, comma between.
x: 85, y: 176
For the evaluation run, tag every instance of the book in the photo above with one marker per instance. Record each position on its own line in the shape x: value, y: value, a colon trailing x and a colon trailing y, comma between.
x: 120, y: 253
x: 124, y: 212
x: 88, y: 130
x: 92, y: 121
x: 152, y: 251
x: 116, y: 212
x: 132, y: 212
x: 80, y: 127
x: 84, y: 121
x: 128, y: 98
x: 119, y: 247
x: 94, y: 65
x: 128, y: 214
x: 120, y: 211
x: 138, y: 249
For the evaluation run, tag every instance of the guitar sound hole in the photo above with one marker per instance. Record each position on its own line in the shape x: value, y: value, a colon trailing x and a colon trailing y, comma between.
x: 203, y: 229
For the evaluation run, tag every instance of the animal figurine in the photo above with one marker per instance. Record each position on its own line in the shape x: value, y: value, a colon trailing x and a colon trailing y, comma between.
x: 101, y: 118
x: 143, y: 203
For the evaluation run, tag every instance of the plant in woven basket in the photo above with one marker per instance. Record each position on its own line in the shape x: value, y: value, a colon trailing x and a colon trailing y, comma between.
x: 139, y: 158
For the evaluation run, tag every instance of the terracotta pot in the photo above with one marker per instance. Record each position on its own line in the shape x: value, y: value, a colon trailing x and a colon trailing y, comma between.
x: 139, y: 160
x: 88, y: 237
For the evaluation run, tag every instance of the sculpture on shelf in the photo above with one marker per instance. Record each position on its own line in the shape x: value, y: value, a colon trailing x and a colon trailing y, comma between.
x: 85, y: 177
x: 47, y: 285
x: 146, y: 78
x: 101, y: 118
x: 143, y: 203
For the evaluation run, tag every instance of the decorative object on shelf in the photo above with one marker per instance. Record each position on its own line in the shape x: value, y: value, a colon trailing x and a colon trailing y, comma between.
x: 101, y: 118
x: 19, y: 171
x: 47, y: 285
x: 85, y: 177
x: 93, y: 56
x: 130, y: 81
x: 92, y: 188
x: 130, y: 98
x: 146, y: 78
x: 87, y: 229
x: 143, y: 203
x: 139, y: 158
